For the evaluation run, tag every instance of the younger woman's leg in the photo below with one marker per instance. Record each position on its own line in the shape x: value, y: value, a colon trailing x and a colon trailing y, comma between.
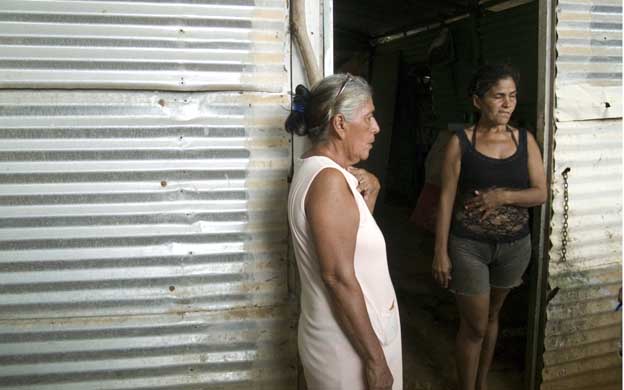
x: 509, y: 264
x: 473, y: 325
x: 497, y: 298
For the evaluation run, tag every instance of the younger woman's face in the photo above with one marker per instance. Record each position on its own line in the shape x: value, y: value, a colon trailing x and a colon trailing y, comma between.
x: 498, y: 103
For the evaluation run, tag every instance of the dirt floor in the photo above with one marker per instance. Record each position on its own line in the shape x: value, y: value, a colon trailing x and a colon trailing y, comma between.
x: 429, y: 317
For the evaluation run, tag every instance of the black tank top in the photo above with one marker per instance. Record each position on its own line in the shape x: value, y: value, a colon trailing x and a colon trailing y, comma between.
x: 480, y: 172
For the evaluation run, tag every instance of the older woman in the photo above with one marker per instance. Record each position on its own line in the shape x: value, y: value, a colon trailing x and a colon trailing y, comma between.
x: 349, y: 332
x: 491, y: 175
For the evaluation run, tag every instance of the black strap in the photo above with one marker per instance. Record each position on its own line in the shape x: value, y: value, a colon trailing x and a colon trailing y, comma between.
x: 513, y: 136
x: 463, y: 140
x: 474, y: 137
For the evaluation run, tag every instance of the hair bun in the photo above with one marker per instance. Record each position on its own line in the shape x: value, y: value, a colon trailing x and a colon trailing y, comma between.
x: 302, y: 91
x: 296, y: 123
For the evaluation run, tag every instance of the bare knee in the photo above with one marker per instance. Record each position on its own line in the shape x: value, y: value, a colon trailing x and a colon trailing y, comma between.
x: 474, y: 331
x: 493, y: 317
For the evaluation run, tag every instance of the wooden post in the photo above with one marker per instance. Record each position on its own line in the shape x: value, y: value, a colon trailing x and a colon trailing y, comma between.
x: 299, y: 30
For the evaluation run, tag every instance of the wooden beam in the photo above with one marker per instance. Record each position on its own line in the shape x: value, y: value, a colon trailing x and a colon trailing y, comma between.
x: 299, y: 30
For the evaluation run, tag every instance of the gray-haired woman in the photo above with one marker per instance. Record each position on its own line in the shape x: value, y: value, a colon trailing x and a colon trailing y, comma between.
x: 349, y: 331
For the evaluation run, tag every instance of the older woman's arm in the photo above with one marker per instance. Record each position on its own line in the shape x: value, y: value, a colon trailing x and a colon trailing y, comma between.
x: 486, y: 201
x: 334, y: 219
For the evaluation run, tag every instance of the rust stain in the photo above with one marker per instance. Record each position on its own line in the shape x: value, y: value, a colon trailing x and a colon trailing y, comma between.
x: 269, y: 14
x: 268, y: 58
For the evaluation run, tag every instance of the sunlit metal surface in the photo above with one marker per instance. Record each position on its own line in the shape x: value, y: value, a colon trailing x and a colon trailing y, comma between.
x: 148, y: 203
x: 143, y: 234
x: 583, y: 332
x: 245, y: 349
x: 128, y: 44
x: 126, y: 204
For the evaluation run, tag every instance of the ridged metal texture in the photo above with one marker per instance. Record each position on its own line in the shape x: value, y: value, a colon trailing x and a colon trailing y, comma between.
x: 519, y: 48
x: 151, y: 202
x: 148, y: 44
x: 143, y: 234
x: 136, y: 203
x: 583, y: 333
x: 236, y: 350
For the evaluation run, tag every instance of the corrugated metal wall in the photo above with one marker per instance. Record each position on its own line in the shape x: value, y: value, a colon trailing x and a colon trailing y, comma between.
x: 151, y: 44
x: 583, y: 333
x: 143, y: 233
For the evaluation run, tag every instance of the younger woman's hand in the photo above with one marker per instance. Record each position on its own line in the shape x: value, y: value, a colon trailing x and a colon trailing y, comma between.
x: 441, y: 269
x: 485, y: 202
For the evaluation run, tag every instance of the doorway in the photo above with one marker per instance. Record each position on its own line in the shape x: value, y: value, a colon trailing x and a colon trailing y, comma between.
x: 419, y: 83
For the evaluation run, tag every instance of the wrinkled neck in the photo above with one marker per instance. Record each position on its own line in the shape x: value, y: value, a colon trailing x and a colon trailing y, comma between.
x: 333, y: 149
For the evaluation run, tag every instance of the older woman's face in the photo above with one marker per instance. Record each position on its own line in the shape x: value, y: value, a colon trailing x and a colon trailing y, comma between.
x: 361, y: 132
x: 498, y: 103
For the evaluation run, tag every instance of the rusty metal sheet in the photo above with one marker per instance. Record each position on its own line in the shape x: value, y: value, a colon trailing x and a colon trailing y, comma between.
x: 125, y: 214
x: 592, y: 150
x: 583, y: 333
x: 599, y: 348
x: 594, y: 380
x: 117, y: 203
x: 165, y: 45
x: 589, y: 61
x: 249, y: 349
x: 608, y: 361
x: 143, y: 234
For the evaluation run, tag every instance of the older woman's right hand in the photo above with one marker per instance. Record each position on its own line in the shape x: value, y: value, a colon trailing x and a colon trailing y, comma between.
x: 378, y: 376
x: 441, y: 269
x: 367, y: 182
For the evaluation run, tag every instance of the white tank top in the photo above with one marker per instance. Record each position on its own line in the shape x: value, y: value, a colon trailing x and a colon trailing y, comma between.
x: 370, y: 262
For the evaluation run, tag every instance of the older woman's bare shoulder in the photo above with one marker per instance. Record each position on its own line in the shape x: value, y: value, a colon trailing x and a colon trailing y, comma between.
x: 329, y: 182
x: 331, y: 176
x: 330, y: 193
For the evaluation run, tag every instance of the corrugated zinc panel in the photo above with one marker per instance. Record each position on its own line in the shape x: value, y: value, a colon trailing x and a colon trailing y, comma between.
x: 589, y: 63
x: 234, y: 350
x: 143, y: 234
x: 583, y: 333
x: 149, y: 44
x: 127, y: 204
x: 116, y: 203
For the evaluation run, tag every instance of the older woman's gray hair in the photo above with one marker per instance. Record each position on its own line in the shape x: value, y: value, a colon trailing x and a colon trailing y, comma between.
x: 313, y: 110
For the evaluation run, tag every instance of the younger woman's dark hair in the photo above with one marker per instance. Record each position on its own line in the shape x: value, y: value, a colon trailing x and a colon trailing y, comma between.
x: 488, y: 75
x: 311, y: 111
